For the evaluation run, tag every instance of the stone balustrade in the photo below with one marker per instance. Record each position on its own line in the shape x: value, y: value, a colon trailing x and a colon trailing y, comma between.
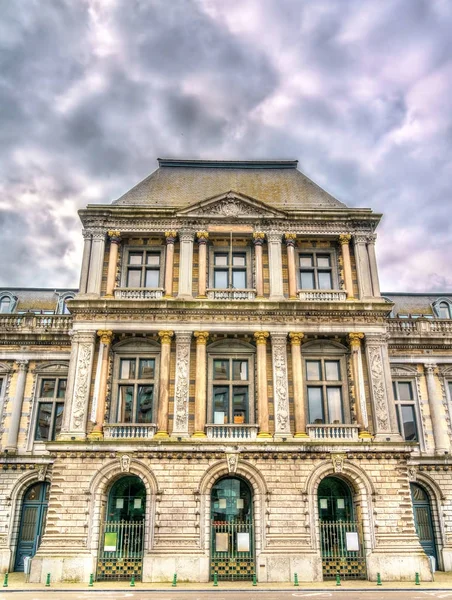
x: 38, y: 323
x: 214, y: 294
x: 419, y: 326
x: 138, y: 293
x: 333, y: 433
x: 231, y: 432
x: 128, y: 431
x: 322, y: 295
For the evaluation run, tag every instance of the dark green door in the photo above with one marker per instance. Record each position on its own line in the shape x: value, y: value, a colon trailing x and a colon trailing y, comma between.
x: 32, y: 522
x: 423, y: 520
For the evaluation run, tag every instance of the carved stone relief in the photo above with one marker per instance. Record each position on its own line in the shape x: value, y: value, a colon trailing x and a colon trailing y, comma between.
x: 124, y: 462
x: 182, y: 383
x: 280, y: 384
x: 81, y: 387
x: 378, y: 388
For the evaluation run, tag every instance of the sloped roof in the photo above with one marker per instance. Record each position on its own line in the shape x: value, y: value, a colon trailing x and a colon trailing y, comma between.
x: 414, y: 304
x: 36, y: 299
x: 180, y: 183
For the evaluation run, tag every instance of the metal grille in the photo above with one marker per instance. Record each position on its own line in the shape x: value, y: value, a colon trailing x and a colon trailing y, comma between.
x: 336, y: 559
x: 232, y: 564
x: 121, y: 551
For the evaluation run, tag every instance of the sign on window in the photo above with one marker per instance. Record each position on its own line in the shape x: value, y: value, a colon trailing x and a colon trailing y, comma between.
x: 110, y: 542
x: 352, y: 542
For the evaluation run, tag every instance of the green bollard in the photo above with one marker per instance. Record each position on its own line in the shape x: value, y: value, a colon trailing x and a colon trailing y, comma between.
x: 215, y: 579
x: 5, y: 581
x: 295, y: 580
x: 379, y: 579
x: 174, y: 580
x: 417, y: 581
x: 132, y: 581
x: 91, y: 580
x: 338, y: 579
x: 48, y: 580
x: 254, y: 579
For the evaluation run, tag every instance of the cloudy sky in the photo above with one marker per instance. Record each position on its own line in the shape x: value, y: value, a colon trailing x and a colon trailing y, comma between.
x: 93, y: 91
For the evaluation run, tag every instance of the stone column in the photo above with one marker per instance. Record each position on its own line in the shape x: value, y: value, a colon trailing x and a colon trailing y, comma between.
x: 96, y: 262
x: 275, y: 266
x: 280, y: 384
x: 258, y: 239
x: 380, y: 382
x: 362, y: 266
x: 435, y: 401
x: 358, y: 383
x: 186, y: 239
x: 170, y: 237
x: 373, y: 264
x: 200, y: 384
x: 182, y: 384
x: 87, y: 237
x: 344, y: 241
x: 115, y: 240
x: 203, y: 237
x: 298, y: 387
x: 105, y: 342
x: 262, y: 396
x: 163, y: 409
x: 13, y: 432
x: 290, y: 243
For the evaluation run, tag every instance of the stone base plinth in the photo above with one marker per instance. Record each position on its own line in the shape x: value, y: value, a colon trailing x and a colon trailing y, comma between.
x: 75, y: 569
x: 282, y: 567
x: 5, y: 560
x: 160, y: 569
x: 398, y: 567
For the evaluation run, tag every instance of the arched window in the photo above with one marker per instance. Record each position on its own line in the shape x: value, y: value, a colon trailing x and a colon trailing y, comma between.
x: 62, y: 308
x: 335, y: 500
x: 444, y: 310
x: 127, y: 500
x: 7, y: 302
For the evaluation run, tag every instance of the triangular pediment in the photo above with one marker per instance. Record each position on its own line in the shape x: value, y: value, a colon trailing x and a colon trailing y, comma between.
x: 231, y: 205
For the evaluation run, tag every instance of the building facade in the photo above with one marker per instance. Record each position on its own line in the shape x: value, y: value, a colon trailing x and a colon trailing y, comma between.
x: 227, y: 392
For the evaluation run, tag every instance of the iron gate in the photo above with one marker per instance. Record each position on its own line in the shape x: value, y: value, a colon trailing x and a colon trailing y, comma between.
x: 232, y: 550
x: 338, y: 557
x: 120, y: 550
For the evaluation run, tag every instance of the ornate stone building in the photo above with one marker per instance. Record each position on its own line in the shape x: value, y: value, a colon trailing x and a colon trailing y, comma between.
x: 228, y: 391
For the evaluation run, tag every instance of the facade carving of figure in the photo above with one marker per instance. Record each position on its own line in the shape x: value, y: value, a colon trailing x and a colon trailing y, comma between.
x: 125, y: 463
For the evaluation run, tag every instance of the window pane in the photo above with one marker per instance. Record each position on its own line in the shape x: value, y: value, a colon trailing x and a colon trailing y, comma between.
x: 135, y: 258
x: 152, y: 278
x: 315, y: 405
x: 405, y: 390
x: 220, y: 369
x: 238, y: 260
x: 240, y: 370
x: 48, y: 388
x: 134, y: 278
x: 239, y: 279
x: 147, y: 368
x: 325, y: 281
x: 144, y: 403
x: 220, y: 405
x: 127, y: 368
x: 5, y: 304
x: 307, y: 280
x: 323, y: 261
x: 58, y: 420
x: 313, y: 370
x: 61, y: 388
x: 409, y: 423
x: 240, y: 404
x: 443, y: 311
x: 125, y: 403
x: 221, y: 280
x: 221, y: 260
x: 43, y: 422
x: 332, y: 371
x: 306, y: 260
x: 153, y: 259
x: 334, y: 404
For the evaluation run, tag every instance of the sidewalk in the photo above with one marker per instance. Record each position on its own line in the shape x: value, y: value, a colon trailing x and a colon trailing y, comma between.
x: 443, y: 581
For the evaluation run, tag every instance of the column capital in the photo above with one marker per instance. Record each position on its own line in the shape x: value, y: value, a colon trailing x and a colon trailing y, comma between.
x: 372, y: 238
x: 98, y: 233
x: 170, y: 236
x: 202, y: 237
x: 186, y: 235
x: 183, y: 336
x: 345, y: 238
x: 201, y: 337
x: 290, y: 239
x: 258, y: 238
x: 105, y: 335
x: 274, y: 237
x: 165, y: 336
x: 114, y: 235
x: 377, y: 339
x: 87, y: 234
x: 261, y: 337
x: 295, y: 338
x: 80, y: 337
x: 355, y: 339
x: 360, y: 238
x: 429, y: 368
x: 22, y: 364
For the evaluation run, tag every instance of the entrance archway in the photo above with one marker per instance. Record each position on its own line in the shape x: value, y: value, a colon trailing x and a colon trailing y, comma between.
x: 121, y: 544
x: 423, y: 519
x: 232, y: 553
x: 32, y: 522
x: 341, y: 539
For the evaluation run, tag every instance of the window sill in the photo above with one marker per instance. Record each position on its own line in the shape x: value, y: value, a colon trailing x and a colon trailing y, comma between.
x: 138, y: 293
x: 322, y: 295
x: 217, y: 294
x: 232, y: 432
x: 129, y: 431
x: 333, y: 433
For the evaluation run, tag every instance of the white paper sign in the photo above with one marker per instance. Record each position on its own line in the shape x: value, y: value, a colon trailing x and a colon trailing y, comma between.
x: 221, y: 542
x: 243, y: 542
x: 323, y: 503
x: 119, y: 502
x: 340, y: 503
x: 137, y: 503
x: 218, y: 418
x: 351, y: 541
x: 239, y: 502
x: 222, y: 503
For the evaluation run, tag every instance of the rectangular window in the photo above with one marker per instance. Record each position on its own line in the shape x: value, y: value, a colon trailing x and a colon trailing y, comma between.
x: 316, y: 271
x: 406, y: 410
x: 50, y: 408
x: 230, y: 399
x: 324, y: 391
x: 230, y: 270
x: 136, y: 390
x: 143, y: 269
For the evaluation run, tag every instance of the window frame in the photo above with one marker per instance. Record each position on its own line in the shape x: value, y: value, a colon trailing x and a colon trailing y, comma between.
x: 332, y: 254
x: 12, y: 302
x: 128, y: 250
x: 54, y: 401
x: 437, y: 307
x: 239, y: 250
x: 414, y: 403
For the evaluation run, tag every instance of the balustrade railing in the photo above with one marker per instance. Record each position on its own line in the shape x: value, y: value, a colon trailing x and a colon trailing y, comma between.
x: 419, y: 326
x: 41, y: 323
x: 127, y: 431
x: 333, y: 433
x: 231, y: 294
x: 139, y: 293
x: 231, y: 432
x: 322, y: 295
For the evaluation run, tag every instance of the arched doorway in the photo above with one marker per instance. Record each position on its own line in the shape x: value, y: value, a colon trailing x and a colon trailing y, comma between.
x: 32, y: 522
x: 121, y: 544
x: 341, y: 540
x: 232, y: 554
x: 423, y: 520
